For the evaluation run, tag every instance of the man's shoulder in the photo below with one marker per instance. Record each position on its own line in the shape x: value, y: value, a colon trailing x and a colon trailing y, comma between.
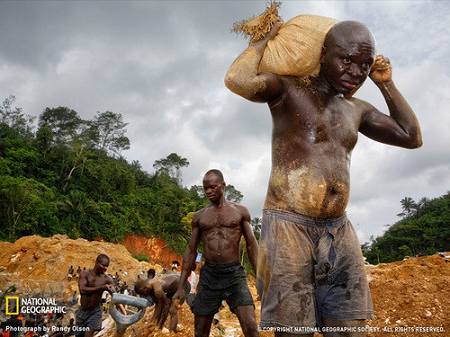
x: 84, y: 273
x: 299, y: 83
x: 199, y: 213
x: 292, y: 86
x: 357, y: 101
x: 359, y: 106
x: 235, y: 205
x: 240, y: 208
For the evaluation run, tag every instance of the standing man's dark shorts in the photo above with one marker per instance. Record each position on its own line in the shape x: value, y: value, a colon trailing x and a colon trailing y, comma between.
x: 91, y: 319
x: 221, y: 282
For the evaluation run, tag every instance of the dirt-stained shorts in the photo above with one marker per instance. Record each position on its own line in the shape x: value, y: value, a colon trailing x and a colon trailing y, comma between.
x: 91, y: 319
x: 221, y: 282
x: 310, y: 270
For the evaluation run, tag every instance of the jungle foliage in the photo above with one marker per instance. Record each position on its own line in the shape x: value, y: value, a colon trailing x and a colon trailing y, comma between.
x: 68, y: 177
x: 424, y: 229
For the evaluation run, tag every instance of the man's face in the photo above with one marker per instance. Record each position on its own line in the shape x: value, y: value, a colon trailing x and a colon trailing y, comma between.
x: 346, y: 63
x: 213, y: 187
x: 101, y: 266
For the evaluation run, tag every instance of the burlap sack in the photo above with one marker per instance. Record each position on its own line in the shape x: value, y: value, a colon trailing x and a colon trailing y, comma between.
x: 296, y: 48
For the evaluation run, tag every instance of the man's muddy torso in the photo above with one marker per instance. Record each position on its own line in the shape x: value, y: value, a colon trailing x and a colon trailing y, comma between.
x: 92, y: 300
x: 312, y: 140
x: 221, y: 232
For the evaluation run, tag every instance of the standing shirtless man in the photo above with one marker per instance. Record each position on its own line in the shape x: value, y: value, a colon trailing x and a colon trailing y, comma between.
x: 310, y: 265
x: 220, y: 226
x: 92, y: 284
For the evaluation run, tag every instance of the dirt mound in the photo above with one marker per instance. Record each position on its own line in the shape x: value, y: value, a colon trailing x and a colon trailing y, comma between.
x: 412, y: 293
x: 154, y: 248
x: 411, y: 298
x: 407, y: 295
x: 37, y: 265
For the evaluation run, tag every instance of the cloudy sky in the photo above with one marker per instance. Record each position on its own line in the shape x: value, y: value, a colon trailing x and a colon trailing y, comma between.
x: 161, y: 65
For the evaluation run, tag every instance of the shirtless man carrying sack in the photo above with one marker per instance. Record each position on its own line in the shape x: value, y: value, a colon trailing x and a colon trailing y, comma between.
x: 310, y: 267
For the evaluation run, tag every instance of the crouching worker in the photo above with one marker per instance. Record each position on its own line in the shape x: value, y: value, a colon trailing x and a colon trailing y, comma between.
x: 160, y: 290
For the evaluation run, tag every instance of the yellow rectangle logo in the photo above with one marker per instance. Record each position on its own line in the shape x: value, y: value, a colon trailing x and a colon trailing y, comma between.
x: 12, y: 299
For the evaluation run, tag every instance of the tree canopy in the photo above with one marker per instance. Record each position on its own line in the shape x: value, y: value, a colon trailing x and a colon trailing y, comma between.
x: 69, y: 177
x: 424, y: 228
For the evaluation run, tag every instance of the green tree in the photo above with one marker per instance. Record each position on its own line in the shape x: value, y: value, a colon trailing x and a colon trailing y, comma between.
x: 26, y: 206
x: 64, y: 123
x: 408, y: 206
x: 14, y: 117
x: 108, y: 131
x: 75, y: 208
x: 425, y: 230
x: 77, y: 161
x: 17, y: 155
x: 171, y: 166
x: 65, y: 179
x: 404, y: 250
x: 44, y: 139
x: 198, y: 191
x: 232, y: 194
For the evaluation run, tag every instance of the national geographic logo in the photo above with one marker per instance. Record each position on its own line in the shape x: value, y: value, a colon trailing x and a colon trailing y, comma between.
x: 32, y: 305
x: 12, y: 305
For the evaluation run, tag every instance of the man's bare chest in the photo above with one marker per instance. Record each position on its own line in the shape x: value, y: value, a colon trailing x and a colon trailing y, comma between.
x: 224, y: 219
x: 305, y: 118
x: 95, y: 281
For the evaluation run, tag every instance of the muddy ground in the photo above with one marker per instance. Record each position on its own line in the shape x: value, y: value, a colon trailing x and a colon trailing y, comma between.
x: 411, y: 297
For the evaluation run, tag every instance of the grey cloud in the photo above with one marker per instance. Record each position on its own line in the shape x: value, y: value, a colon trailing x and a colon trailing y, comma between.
x: 161, y: 64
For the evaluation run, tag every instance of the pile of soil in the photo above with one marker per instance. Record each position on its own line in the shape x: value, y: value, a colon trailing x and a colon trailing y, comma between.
x: 409, y: 296
x: 38, y: 266
x: 154, y: 248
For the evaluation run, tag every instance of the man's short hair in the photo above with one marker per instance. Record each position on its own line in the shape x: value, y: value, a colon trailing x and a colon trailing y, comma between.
x: 344, y: 29
x: 216, y: 172
x: 151, y: 273
x: 102, y: 257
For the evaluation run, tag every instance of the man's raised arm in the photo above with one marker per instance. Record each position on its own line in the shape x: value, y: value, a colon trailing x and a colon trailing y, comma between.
x: 188, y: 258
x: 243, y: 78
x: 401, y: 128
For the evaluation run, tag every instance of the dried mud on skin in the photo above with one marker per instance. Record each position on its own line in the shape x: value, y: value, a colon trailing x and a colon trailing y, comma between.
x: 414, y: 292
